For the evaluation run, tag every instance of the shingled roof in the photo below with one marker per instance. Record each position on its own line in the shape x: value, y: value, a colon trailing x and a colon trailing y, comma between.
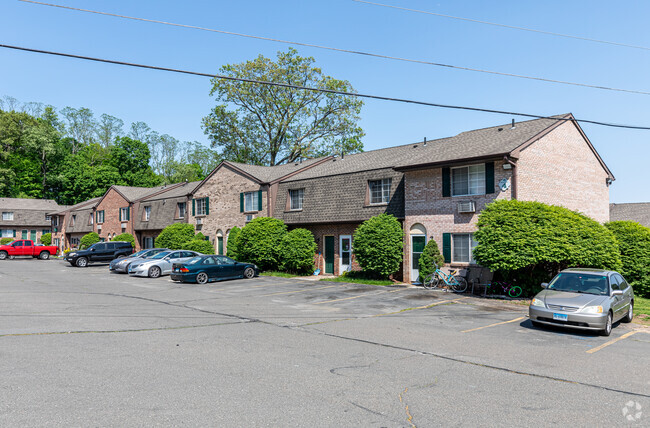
x: 268, y: 174
x: 639, y: 212
x: 29, y: 204
x: 27, y: 212
x: 173, y: 191
x: 85, y: 204
x: 134, y: 193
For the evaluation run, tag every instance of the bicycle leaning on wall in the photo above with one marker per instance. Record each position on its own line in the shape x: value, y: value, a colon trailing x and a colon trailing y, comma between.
x: 438, y: 278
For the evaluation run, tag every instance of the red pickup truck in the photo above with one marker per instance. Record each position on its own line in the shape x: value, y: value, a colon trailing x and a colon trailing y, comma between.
x: 25, y: 247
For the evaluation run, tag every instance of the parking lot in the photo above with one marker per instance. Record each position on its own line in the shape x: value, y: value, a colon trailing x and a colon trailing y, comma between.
x: 86, y: 347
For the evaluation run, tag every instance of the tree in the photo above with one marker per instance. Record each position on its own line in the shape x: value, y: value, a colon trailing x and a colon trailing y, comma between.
x: 125, y: 237
x: 131, y: 159
x: 272, y: 125
x: 204, y: 157
x: 634, y: 243
x: 199, y: 245
x: 231, y: 244
x: 430, y: 255
x: 378, y: 244
x: 46, y: 239
x: 175, y: 235
x: 108, y: 129
x: 89, y: 239
x: 259, y: 242
x: 297, y: 249
x: 80, y: 126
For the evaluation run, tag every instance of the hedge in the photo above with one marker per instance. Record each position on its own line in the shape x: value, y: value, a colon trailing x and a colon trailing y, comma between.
x: 231, y: 244
x: 634, y: 243
x: 5, y: 241
x: 199, y: 245
x: 259, y: 242
x: 378, y: 244
x: 297, y: 249
x: 175, y: 235
x: 46, y: 239
x: 89, y: 239
x: 430, y: 255
x: 125, y: 237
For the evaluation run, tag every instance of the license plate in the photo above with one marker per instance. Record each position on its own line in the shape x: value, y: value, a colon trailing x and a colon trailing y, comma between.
x: 561, y: 317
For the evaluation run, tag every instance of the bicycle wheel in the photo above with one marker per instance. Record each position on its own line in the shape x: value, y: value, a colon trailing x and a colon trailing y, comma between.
x: 459, y: 284
x: 430, y: 281
x: 515, y: 291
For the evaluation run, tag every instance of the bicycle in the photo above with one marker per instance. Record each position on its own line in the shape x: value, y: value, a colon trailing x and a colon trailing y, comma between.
x: 457, y: 283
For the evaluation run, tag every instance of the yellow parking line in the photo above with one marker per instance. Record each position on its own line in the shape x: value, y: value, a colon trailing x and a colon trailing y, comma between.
x: 360, y: 295
x: 492, y: 325
x: 419, y: 307
x: 611, y: 342
x: 296, y: 291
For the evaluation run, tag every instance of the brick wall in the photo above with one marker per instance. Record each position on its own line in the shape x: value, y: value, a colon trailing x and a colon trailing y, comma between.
x: 111, y: 204
x: 223, y: 189
x: 561, y: 169
x: 335, y: 230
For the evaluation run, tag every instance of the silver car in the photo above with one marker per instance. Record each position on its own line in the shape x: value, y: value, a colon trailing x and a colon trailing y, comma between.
x: 587, y: 299
x: 121, y: 265
x: 161, y: 263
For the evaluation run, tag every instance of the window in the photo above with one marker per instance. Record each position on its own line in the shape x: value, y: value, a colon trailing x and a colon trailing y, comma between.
x: 24, y: 233
x: 7, y: 216
x: 125, y: 214
x: 44, y: 231
x: 73, y: 219
x: 181, y: 207
x: 48, y: 218
x: 251, y: 201
x: 200, y: 206
x: 147, y: 213
x: 56, y: 220
x: 100, y: 217
x: 295, y: 199
x: 462, y: 246
x: 379, y: 191
x: 468, y: 180
x: 7, y: 233
x: 90, y: 218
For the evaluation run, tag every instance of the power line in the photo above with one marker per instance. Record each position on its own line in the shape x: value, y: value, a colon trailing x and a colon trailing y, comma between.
x: 370, y: 54
x: 328, y: 91
x: 512, y: 27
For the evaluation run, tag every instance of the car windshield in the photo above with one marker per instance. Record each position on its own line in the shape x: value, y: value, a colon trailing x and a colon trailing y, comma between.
x: 194, y: 260
x: 161, y: 255
x: 139, y: 253
x: 580, y: 283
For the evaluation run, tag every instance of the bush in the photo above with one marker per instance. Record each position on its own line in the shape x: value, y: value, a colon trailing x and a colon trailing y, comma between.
x: 634, y: 244
x: 5, y: 241
x: 89, y: 239
x: 430, y: 255
x: 175, y: 235
x: 125, y: 237
x: 199, y: 237
x: 378, y: 244
x: 529, y: 242
x: 231, y: 244
x: 200, y: 245
x: 297, y: 249
x: 46, y: 239
x: 259, y: 242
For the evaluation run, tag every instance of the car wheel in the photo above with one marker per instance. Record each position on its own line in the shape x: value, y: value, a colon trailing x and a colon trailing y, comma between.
x: 630, y: 313
x: 82, y: 262
x: 3, y: 255
x: 608, y: 327
x: 537, y: 324
x: 154, y: 272
x: 44, y: 255
x: 202, y: 278
x: 249, y: 273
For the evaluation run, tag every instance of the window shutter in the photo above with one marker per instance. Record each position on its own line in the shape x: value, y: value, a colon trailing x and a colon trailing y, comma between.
x: 14, y: 233
x: 207, y: 205
x: 241, y: 202
x: 489, y: 177
x: 446, y: 247
x: 446, y: 182
x: 193, y: 207
x: 128, y: 214
x: 259, y: 200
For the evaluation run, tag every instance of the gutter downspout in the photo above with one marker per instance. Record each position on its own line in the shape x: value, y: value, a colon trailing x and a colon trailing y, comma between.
x: 513, y: 191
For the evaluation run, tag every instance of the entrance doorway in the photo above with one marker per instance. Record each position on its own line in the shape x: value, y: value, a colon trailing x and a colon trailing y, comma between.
x: 345, y: 253
x: 329, y: 254
x: 418, y: 241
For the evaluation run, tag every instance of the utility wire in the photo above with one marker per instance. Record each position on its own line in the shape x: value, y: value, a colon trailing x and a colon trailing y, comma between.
x: 327, y: 91
x: 370, y: 54
x: 512, y: 27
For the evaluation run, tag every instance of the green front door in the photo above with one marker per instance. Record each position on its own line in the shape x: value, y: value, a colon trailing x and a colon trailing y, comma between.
x: 329, y: 254
x: 220, y: 245
x: 32, y: 235
x: 417, y: 247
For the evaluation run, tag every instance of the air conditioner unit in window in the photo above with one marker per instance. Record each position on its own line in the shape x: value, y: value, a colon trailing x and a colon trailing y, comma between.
x: 99, y: 228
x: 466, y: 207
x: 199, y: 221
x: 124, y: 225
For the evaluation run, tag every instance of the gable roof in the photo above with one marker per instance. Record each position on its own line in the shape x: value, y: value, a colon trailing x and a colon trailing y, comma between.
x: 174, y: 191
x: 29, y: 204
x: 639, y: 212
x: 134, y: 193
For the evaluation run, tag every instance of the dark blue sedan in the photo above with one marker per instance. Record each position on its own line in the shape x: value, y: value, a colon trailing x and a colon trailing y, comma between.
x: 202, y: 269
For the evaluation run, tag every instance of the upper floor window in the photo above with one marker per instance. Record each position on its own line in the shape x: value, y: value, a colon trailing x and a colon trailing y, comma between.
x: 251, y: 201
x: 48, y: 218
x: 7, y: 215
x: 56, y: 220
x: 201, y: 206
x: 125, y: 214
x: 90, y: 218
x: 468, y: 180
x: 100, y: 217
x: 379, y: 191
x: 146, y: 213
x: 180, y: 209
x: 73, y: 219
x: 295, y: 199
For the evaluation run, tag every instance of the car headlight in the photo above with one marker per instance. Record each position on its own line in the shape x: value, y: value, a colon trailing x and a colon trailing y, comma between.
x: 537, y: 302
x: 593, y: 310
x: 72, y: 254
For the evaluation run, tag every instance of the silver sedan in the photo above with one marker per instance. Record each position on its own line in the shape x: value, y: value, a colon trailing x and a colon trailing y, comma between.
x: 161, y: 263
x: 122, y: 264
x: 587, y: 299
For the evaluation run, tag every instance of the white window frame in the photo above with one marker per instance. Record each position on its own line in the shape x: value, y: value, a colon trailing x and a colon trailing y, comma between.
x: 479, y: 183
x: 48, y: 218
x: 183, y: 212
x: 91, y: 219
x: 200, y: 206
x: 252, y: 200
x: 73, y: 219
x: 385, y: 184
x: 471, y: 242
x: 6, y: 233
x: 124, y: 214
x: 100, y: 220
x: 7, y: 216
x: 300, y: 195
x: 147, y: 213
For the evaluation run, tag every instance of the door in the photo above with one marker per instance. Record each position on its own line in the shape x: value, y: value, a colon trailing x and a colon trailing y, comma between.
x: 24, y: 234
x: 97, y: 252
x: 220, y: 245
x: 417, y: 246
x: 228, y: 268
x: 329, y: 254
x: 32, y: 235
x: 28, y: 248
x: 618, y: 302
x: 18, y: 248
x: 345, y: 253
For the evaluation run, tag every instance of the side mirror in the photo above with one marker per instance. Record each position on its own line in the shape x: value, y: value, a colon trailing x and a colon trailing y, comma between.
x: 92, y: 249
x: 544, y: 284
x: 617, y: 293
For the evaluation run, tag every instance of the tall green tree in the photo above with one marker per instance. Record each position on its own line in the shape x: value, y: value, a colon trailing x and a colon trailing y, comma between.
x: 271, y: 125
x: 131, y: 159
x: 108, y: 129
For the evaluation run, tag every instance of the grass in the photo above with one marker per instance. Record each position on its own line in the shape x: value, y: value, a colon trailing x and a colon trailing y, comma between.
x: 642, y: 309
x: 358, y: 280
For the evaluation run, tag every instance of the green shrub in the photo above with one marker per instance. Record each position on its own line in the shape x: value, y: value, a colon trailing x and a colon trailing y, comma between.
x: 259, y: 242
x: 430, y: 255
x: 231, y: 244
x: 378, y: 244
x: 5, y: 241
x: 200, y: 237
x: 89, y: 239
x: 46, y: 239
x: 125, y: 237
x: 200, y: 245
x: 297, y: 249
x: 634, y: 243
x: 175, y: 235
x: 529, y: 242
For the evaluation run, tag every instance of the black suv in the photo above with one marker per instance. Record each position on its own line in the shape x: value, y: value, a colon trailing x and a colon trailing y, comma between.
x: 99, y: 252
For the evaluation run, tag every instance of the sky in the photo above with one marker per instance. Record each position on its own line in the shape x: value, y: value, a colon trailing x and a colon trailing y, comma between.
x: 175, y: 104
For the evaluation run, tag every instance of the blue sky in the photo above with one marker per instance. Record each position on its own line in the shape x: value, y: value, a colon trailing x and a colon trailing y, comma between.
x: 175, y: 104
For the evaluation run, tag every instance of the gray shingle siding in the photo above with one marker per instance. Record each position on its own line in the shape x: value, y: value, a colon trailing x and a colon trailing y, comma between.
x: 163, y: 213
x: 81, y: 224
